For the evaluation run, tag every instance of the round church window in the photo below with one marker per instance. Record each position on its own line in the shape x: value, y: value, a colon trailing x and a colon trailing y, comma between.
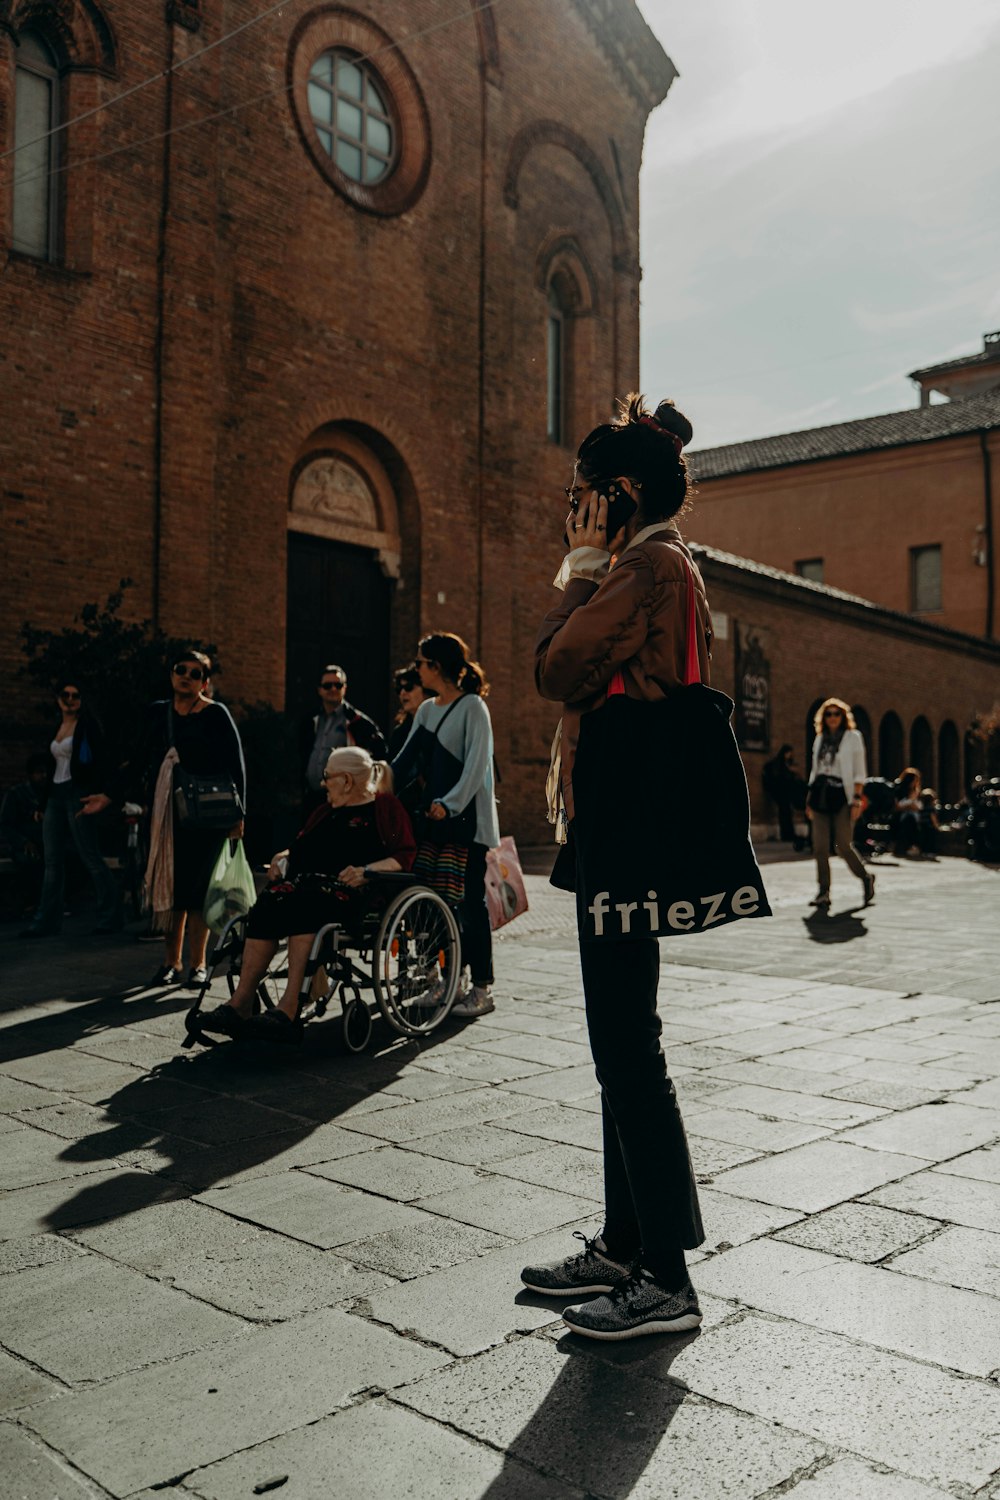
x: 351, y: 112
x: 359, y: 110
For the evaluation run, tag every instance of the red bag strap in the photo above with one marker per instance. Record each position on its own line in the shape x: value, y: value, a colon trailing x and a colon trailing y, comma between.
x: 692, y: 664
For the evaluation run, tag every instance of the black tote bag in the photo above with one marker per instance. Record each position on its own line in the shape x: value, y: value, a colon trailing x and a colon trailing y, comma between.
x: 661, y: 832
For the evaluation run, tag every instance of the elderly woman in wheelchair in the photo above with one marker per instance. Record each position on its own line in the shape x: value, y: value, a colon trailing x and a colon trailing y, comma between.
x: 328, y: 880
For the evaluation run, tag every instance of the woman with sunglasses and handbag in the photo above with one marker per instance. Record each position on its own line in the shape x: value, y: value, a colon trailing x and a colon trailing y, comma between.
x: 78, y: 768
x: 834, y: 801
x: 629, y: 638
x: 189, y: 771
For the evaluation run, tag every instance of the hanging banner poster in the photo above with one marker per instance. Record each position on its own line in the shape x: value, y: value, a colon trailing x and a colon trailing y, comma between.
x: 753, y: 687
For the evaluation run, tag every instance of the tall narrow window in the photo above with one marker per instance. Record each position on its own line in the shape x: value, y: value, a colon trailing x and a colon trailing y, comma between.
x: 556, y: 369
x: 925, y: 579
x: 36, y: 115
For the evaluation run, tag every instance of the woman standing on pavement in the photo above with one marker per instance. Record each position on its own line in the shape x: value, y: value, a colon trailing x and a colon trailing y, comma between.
x: 78, y: 768
x: 626, y: 629
x: 190, y: 733
x: 451, y: 746
x: 834, y: 800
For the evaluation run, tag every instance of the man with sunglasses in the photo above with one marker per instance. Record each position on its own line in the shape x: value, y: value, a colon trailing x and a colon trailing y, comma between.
x: 337, y: 724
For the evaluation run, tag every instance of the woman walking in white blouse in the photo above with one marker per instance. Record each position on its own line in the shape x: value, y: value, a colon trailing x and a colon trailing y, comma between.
x: 834, y: 801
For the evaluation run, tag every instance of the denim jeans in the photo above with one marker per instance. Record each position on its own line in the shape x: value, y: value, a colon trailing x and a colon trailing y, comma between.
x: 60, y: 825
x: 651, y: 1200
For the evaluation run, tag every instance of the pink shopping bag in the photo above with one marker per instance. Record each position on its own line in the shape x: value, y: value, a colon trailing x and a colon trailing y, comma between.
x: 506, y: 897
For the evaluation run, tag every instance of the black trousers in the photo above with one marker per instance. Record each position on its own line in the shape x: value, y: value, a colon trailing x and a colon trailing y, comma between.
x: 651, y: 1199
x: 477, y: 939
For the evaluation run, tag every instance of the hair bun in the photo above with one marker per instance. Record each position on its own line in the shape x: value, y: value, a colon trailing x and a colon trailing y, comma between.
x: 674, y: 422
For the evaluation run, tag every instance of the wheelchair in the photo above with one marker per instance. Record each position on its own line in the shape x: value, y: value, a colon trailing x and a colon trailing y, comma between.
x: 406, y: 957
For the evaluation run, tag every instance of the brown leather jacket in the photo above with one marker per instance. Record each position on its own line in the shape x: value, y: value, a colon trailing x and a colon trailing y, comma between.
x: 634, y: 619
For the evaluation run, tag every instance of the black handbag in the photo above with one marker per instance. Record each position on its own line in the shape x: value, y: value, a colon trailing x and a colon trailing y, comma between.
x: 203, y: 801
x: 826, y: 796
x: 457, y: 828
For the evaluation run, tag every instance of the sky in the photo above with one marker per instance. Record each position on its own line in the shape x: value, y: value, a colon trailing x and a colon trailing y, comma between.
x: 820, y: 199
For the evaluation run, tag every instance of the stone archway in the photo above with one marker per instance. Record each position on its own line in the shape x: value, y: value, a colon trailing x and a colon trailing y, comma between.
x: 890, y: 746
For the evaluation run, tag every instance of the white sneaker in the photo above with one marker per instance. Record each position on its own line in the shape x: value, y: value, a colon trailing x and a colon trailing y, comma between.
x: 478, y: 1002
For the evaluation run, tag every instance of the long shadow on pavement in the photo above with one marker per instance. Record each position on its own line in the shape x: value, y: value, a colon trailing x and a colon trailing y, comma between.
x: 200, y: 1120
x: 602, y: 1419
x: 836, y: 927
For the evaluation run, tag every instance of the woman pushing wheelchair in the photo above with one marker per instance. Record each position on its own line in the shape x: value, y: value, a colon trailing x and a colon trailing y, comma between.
x: 321, y: 878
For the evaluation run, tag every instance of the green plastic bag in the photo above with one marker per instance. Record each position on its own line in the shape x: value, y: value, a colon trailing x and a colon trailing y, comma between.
x: 231, y: 890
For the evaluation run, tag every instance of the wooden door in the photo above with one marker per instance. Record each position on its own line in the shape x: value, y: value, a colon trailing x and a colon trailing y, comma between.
x: 339, y: 609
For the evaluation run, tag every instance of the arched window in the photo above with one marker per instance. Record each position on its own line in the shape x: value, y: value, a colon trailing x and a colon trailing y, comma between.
x: 555, y: 364
x: 36, y: 115
x: 949, y: 787
x: 890, y: 746
x: 922, y: 749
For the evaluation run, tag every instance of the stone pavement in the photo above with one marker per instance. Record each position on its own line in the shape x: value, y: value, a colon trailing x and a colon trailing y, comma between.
x: 228, y: 1274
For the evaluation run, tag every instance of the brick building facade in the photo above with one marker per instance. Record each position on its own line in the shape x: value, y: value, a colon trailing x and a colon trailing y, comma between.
x: 301, y: 336
x: 783, y: 644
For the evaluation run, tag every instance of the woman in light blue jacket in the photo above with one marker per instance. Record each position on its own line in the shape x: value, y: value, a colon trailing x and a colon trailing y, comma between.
x: 834, y: 800
x: 451, y: 746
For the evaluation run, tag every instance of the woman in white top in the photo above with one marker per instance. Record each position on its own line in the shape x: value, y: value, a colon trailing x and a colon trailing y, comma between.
x: 834, y: 801
x: 78, y: 769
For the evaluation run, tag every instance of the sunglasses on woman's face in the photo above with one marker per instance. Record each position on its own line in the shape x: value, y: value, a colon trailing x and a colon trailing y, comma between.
x: 195, y: 673
x: 833, y: 713
x: 68, y: 696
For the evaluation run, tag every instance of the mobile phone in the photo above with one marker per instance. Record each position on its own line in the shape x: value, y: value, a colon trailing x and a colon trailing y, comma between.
x: 621, y: 509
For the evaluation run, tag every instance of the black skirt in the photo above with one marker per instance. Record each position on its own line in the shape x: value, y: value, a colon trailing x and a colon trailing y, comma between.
x: 195, y: 853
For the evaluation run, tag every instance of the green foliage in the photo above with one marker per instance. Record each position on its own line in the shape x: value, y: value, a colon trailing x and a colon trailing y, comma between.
x: 119, y: 665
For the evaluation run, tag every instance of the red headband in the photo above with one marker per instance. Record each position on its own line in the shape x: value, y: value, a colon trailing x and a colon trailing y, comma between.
x: 663, y: 431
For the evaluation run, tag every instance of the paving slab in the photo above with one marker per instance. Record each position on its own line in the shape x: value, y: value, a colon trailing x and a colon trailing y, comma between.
x: 262, y: 1156
x: 850, y: 1479
x: 68, y: 1071
x: 925, y: 1422
x: 957, y: 1257
x: 884, y: 1094
x: 471, y: 1065
x: 310, y: 1208
x: 30, y: 1157
x: 417, y: 1250
x: 933, y: 1131
x: 516, y: 1209
x: 323, y: 1460
x: 392, y: 1172
x: 235, y: 1266
x: 984, y: 1095
x: 784, y: 1104
x: 569, y: 1169
x: 16, y: 1095
x: 816, y: 1176
x: 565, y: 1083
x: 984, y: 1164
x: 559, y: 1122
x: 85, y: 1320
x: 945, y: 1325
x: 475, y: 1305
x: 31, y: 1473
x: 22, y: 1385
x: 62, y: 1205
x: 742, y: 1127
x: 550, y: 1052
x: 207, y: 1406
x: 860, y: 1231
x: 34, y: 1250
x: 627, y: 1436
x: 941, y: 1195
x: 478, y: 1147
x: 407, y: 1122
x: 732, y: 1221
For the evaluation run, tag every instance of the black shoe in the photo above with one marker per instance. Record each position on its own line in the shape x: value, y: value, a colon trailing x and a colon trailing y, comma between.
x: 869, y: 884
x: 274, y: 1026
x: 639, y: 1306
x: 822, y: 901
x: 223, y: 1018
x: 590, y: 1271
x: 198, y: 977
x: 165, y: 977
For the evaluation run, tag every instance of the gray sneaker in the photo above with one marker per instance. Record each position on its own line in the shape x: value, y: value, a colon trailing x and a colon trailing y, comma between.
x: 478, y: 1002
x: 592, y: 1270
x: 638, y: 1305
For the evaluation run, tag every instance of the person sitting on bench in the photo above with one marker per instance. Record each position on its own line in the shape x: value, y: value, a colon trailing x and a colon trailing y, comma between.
x: 319, y: 880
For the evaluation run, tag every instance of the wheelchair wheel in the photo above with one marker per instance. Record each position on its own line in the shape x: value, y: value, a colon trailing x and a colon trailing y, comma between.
x: 416, y: 961
x: 356, y: 1026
